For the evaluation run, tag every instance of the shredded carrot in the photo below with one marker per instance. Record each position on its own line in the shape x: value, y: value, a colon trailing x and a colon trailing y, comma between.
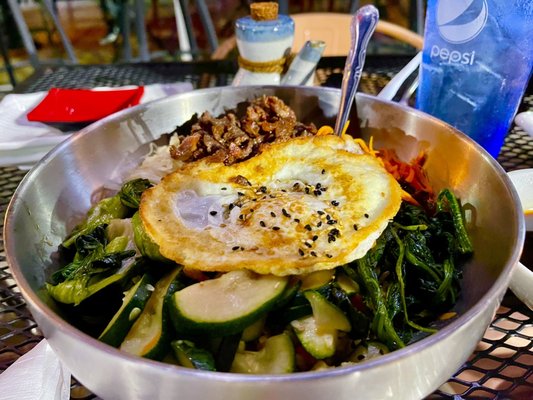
x: 410, y: 174
x: 328, y: 130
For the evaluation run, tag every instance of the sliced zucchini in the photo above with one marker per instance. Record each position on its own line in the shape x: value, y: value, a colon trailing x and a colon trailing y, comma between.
x: 225, y: 305
x: 149, y: 335
x: 190, y: 356
x: 144, y: 243
x: 276, y: 357
x: 318, y: 333
x: 347, y: 284
x: 289, y: 294
x: 317, y: 279
x: 253, y: 331
x: 320, y: 344
x: 132, y: 306
x: 327, y: 315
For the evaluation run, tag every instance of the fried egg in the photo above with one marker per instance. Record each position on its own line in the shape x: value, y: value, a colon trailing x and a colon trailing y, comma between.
x: 307, y: 204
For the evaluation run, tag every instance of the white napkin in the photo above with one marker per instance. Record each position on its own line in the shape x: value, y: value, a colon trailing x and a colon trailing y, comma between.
x: 23, y: 143
x: 37, y: 375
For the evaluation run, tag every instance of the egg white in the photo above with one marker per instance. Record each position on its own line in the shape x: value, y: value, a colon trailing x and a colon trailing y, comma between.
x: 300, y: 206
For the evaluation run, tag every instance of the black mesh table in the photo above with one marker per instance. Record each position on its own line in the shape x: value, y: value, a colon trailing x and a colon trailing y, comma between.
x: 501, y: 366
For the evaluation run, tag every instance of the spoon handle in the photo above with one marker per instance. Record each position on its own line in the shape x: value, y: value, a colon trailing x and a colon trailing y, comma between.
x: 362, y: 27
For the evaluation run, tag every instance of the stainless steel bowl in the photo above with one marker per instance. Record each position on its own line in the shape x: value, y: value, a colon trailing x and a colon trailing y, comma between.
x: 57, y: 193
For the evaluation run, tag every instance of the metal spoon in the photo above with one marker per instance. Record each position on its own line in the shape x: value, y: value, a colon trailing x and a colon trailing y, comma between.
x: 362, y: 27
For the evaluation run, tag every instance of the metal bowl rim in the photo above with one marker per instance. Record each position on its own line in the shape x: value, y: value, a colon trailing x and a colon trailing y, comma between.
x: 36, y: 304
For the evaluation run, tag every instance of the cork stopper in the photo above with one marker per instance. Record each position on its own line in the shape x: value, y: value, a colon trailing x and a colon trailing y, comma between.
x: 264, y: 11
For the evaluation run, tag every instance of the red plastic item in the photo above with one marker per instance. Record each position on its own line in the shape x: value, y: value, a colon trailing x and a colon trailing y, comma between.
x: 83, y: 105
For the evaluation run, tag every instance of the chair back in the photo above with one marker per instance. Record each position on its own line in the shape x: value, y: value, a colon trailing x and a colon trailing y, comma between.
x: 334, y: 29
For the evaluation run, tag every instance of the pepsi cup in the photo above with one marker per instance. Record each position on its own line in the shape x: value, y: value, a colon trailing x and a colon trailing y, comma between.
x: 476, y: 63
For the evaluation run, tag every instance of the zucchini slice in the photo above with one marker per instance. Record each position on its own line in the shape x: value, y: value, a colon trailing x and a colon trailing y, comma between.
x: 190, y: 356
x: 149, y: 335
x: 132, y: 306
x: 317, y: 279
x: 276, y: 357
x: 253, y: 331
x: 225, y: 305
x: 327, y: 315
x: 318, y: 333
x: 319, y: 343
x: 347, y: 284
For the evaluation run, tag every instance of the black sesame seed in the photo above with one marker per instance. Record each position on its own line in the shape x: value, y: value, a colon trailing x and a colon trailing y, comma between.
x: 213, y: 213
x: 285, y: 213
x: 318, y: 185
x: 313, y: 254
x: 300, y: 252
x: 329, y: 256
x: 315, y: 238
x: 223, y: 188
x: 230, y: 206
x: 235, y: 248
x: 335, y: 203
x: 262, y: 223
x: 307, y: 190
x: 297, y: 220
x: 331, y: 239
x: 366, y: 215
x: 332, y: 221
x: 263, y: 189
x: 308, y: 244
x: 317, y: 192
x: 273, y: 214
x: 241, y: 216
x: 323, y: 171
x: 296, y: 185
x: 320, y: 212
x: 355, y: 227
x: 275, y: 228
x: 308, y: 227
x: 319, y: 224
x: 240, y: 193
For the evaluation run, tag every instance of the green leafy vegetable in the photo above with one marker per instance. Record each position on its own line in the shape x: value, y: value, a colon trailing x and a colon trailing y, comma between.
x: 410, y: 275
x: 102, y: 213
x: 446, y: 196
x: 381, y: 324
x: 130, y: 193
x: 93, y: 268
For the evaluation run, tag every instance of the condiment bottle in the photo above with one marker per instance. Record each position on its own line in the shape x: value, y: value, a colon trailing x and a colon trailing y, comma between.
x: 264, y: 40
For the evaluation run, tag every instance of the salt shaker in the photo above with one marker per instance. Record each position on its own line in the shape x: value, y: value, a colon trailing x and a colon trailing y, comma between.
x: 264, y: 41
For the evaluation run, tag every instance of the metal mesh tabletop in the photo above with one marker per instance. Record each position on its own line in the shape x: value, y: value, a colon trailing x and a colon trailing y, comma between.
x: 501, y: 366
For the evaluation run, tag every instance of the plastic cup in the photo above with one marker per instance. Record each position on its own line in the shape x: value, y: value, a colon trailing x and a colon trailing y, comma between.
x: 476, y: 63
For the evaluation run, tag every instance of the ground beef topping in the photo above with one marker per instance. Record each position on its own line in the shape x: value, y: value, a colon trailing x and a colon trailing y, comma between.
x: 230, y: 138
